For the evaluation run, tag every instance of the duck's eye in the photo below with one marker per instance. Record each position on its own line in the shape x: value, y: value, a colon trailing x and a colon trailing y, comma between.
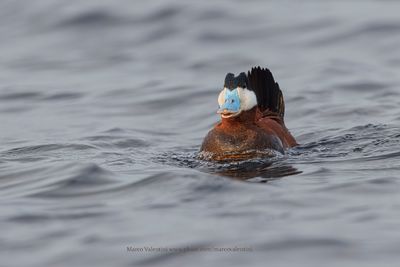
x: 232, y: 100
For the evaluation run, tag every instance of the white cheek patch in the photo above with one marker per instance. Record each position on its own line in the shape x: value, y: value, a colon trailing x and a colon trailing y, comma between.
x: 221, y: 97
x: 248, y: 99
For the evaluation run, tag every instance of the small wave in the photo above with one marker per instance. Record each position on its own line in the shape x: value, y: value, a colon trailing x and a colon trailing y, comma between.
x: 162, y: 14
x: 54, y: 180
x: 362, y: 143
x: 59, y: 152
x: 44, y: 148
x: 116, y: 141
x: 32, y: 96
x: 92, y: 18
x: 101, y: 18
x: 370, y: 30
x: 28, y: 218
x: 363, y: 86
x: 64, y: 96
x: 20, y: 96
x: 79, y: 180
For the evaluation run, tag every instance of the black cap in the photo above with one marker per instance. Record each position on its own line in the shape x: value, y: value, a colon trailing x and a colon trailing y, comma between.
x: 232, y: 82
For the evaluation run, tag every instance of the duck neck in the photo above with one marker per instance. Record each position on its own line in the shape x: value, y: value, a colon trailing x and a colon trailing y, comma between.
x: 246, y: 117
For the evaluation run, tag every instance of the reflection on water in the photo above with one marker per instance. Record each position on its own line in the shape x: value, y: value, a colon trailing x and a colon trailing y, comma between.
x: 268, y: 165
x: 263, y: 171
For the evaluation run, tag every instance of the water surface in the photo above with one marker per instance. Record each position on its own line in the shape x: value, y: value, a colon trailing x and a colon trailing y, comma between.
x: 104, y: 105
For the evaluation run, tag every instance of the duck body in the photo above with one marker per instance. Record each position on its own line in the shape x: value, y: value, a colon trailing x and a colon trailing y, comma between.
x: 254, y: 129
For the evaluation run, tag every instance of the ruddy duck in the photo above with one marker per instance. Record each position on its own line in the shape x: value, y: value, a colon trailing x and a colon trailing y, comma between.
x: 252, y: 110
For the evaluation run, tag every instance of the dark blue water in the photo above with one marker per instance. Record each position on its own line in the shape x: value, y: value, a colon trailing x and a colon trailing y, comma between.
x: 104, y: 105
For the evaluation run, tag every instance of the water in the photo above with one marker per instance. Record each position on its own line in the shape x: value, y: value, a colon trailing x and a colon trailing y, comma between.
x: 104, y: 105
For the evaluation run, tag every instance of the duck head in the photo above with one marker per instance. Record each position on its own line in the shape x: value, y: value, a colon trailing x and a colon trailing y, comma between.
x: 236, y: 97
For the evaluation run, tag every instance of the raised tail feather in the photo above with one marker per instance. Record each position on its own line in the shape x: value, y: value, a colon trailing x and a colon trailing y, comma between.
x: 269, y: 95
